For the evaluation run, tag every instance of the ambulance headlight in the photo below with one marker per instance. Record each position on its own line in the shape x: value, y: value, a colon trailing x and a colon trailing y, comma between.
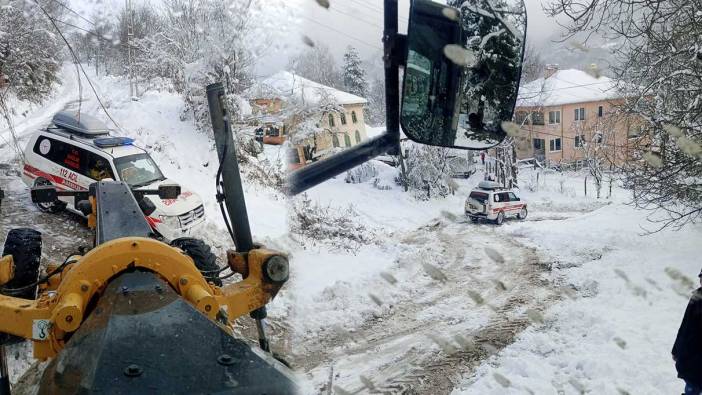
x: 170, y: 221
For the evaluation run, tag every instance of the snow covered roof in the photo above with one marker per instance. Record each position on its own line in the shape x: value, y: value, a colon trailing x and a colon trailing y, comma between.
x: 285, y: 84
x: 567, y: 87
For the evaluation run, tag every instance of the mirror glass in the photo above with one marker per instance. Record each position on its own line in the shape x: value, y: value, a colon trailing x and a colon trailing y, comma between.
x: 462, y: 72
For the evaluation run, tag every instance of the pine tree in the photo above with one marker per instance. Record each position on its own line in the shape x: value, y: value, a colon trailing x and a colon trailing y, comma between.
x: 354, y: 74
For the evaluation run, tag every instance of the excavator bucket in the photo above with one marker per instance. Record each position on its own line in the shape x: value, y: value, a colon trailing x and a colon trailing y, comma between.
x: 141, y: 336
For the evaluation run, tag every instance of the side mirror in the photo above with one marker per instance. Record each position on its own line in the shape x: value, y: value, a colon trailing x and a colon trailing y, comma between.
x: 462, y: 71
x: 44, y: 194
x: 168, y: 191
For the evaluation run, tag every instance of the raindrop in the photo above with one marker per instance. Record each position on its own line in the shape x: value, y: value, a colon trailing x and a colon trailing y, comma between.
x: 376, y: 299
x: 388, y: 277
x: 653, y: 159
x: 476, y: 297
x: 307, y: 41
x: 434, y: 272
x: 450, y: 13
x: 459, y: 55
x: 494, y: 255
x: 502, y: 380
x: 535, y: 316
x: 511, y: 128
x: 620, y: 342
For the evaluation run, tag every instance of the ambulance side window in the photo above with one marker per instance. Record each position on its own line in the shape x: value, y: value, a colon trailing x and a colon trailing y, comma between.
x: 513, y: 197
x: 502, y: 197
x: 96, y: 166
x: 58, y: 152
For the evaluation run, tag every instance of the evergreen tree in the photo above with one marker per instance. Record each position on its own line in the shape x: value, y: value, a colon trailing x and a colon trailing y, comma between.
x: 354, y: 74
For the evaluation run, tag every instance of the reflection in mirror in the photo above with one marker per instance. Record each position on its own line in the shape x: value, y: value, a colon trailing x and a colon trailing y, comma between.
x: 462, y: 71
x: 494, y: 32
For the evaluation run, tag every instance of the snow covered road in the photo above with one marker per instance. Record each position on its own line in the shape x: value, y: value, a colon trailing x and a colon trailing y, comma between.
x: 449, y: 301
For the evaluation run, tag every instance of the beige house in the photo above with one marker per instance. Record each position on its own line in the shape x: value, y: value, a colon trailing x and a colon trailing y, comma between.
x: 568, y: 117
x: 316, y: 116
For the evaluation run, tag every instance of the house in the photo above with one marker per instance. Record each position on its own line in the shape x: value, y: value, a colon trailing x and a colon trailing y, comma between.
x: 317, y: 117
x: 568, y: 116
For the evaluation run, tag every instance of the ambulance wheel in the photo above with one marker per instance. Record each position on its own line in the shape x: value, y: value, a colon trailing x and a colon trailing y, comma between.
x: 53, y: 207
x: 202, y: 255
x: 25, y: 247
x: 522, y: 213
x: 500, y: 218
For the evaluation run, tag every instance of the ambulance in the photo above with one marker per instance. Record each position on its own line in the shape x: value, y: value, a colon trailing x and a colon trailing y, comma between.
x: 76, y: 150
x: 491, y: 202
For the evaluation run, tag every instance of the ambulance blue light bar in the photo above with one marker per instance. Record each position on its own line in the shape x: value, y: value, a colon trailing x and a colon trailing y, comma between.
x: 107, y: 142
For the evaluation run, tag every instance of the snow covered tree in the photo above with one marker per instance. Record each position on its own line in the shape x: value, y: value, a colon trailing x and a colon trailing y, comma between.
x: 376, y: 102
x: 533, y: 65
x: 659, y: 70
x: 353, y: 73
x: 428, y: 171
x: 30, y: 49
x: 317, y: 64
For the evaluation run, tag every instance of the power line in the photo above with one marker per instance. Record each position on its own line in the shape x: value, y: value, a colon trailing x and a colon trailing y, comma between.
x: 570, y: 138
x: 74, y: 12
x: 342, y: 33
x: 77, y: 61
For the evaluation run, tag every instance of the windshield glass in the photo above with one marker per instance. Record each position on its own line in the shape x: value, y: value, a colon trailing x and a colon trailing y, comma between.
x: 138, y: 170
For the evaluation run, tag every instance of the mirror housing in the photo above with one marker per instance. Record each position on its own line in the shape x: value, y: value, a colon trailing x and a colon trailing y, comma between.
x: 168, y: 191
x: 462, y: 72
x: 44, y: 194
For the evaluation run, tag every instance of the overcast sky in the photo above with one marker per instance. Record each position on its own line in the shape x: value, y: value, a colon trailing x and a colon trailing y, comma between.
x: 359, y: 23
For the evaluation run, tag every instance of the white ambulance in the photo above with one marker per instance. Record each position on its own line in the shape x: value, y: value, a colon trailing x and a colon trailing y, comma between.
x: 77, y: 150
x: 490, y: 201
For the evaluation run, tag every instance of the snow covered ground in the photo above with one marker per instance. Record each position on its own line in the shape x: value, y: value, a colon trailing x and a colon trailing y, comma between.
x: 616, y: 333
x: 589, y: 305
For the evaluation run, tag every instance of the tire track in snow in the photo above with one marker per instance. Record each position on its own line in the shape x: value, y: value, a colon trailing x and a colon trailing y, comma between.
x: 438, y: 331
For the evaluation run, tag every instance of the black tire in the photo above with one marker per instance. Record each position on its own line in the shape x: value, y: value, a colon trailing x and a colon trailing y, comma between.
x: 522, y: 213
x: 54, y: 207
x: 500, y: 218
x: 25, y: 247
x: 202, y: 255
x: 474, y: 220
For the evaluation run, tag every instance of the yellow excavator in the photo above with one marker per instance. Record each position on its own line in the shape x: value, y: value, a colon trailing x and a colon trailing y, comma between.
x: 136, y: 315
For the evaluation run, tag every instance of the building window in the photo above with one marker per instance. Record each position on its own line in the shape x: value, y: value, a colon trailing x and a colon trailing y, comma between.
x: 537, y: 118
x: 539, y: 144
x: 580, y: 114
x: 335, y: 140
x: 353, y: 117
x: 331, y: 120
x: 554, y: 117
x: 579, y: 141
x: 343, y: 118
x: 347, y: 139
x: 597, y: 138
x: 555, y: 145
x: 358, y: 137
x: 520, y: 117
x: 600, y: 111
